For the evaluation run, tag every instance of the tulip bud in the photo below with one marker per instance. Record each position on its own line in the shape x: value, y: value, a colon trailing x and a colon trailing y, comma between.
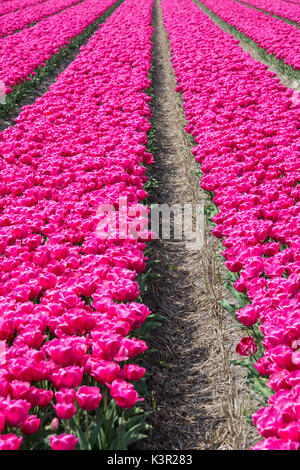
x: 54, y: 426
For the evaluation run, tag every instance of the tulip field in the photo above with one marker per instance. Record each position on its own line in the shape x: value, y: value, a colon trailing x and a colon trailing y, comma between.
x: 271, y: 34
x: 74, y: 320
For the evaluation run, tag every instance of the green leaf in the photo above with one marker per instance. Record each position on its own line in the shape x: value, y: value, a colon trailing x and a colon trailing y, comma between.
x: 231, y: 308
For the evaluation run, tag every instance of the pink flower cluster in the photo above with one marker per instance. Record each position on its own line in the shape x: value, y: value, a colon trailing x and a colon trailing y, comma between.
x: 290, y: 11
x: 247, y: 131
x: 68, y: 298
x: 19, y: 19
x: 25, y: 51
x: 269, y: 33
x: 7, y: 6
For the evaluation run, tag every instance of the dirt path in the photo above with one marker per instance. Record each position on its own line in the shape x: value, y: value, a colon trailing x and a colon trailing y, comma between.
x: 197, y: 395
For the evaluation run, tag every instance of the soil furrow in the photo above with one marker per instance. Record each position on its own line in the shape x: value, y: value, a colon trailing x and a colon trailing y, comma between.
x: 199, y: 399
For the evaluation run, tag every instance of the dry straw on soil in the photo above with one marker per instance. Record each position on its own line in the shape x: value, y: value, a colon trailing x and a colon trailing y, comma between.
x: 201, y: 400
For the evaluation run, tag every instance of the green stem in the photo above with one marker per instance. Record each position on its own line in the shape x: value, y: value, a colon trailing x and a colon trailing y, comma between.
x: 87, y: 427
x: 105, y: 401
x: 120, y: 429
x: 109, y: 421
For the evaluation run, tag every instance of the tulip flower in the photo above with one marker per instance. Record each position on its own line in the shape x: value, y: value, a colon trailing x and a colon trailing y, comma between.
x: 273, y: 443
x: 16, y: 412
x: 248, y: 315
x: 63, y: 442
x: 30, y: 425
x: 88, y: 397
x: 65, y: 410
x: 10, y: 442
x: 247, y: 346
x: 124, y: 393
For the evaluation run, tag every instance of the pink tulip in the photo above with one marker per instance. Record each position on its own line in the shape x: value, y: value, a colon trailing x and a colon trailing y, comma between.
x: 16, y: 412
x: 247, y: 315
x: 272, y: 443
x: 66, y: 395
x: 104, y: 371
x: 10, y: 442
x: 63, y: 442
x: 88, y: 397
x: 2, y: 421
x: 247, y: 346
x: 133, y: 372
x: 124, y: 393
x: 30, y: 425
x: 65, y: 410
x: 291, y: 432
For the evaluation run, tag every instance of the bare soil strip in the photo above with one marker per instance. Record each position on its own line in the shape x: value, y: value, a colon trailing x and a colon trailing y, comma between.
x: 200, y: 400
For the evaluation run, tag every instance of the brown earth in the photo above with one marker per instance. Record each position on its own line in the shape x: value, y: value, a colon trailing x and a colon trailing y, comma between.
x: 199, y: 399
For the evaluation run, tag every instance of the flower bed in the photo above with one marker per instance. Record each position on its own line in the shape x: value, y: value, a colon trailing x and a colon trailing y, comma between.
x: 273, y: 35
x: 290, y: 11
x: 9, y: 6
x: 37, y: 44
x: 247, y: 130
x: 68, y: 298
x: 17, y: 20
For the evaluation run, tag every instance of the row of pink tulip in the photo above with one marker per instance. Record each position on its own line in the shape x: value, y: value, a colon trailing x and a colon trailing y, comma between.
x: 7, y: 6
x: 290, y: 11
x: 17, y: 20
x: 246, y: 125
x: 25, y: 51
x: 274, y: 35
x: 68, y: 297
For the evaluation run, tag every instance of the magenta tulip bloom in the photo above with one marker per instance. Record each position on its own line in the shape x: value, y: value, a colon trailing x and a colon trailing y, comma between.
x: 63, y: 442
x: 88, y: 397
x: 65, y: 410
x: 30, y: 425
x: 247, y: 346
x: 10, y: 442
